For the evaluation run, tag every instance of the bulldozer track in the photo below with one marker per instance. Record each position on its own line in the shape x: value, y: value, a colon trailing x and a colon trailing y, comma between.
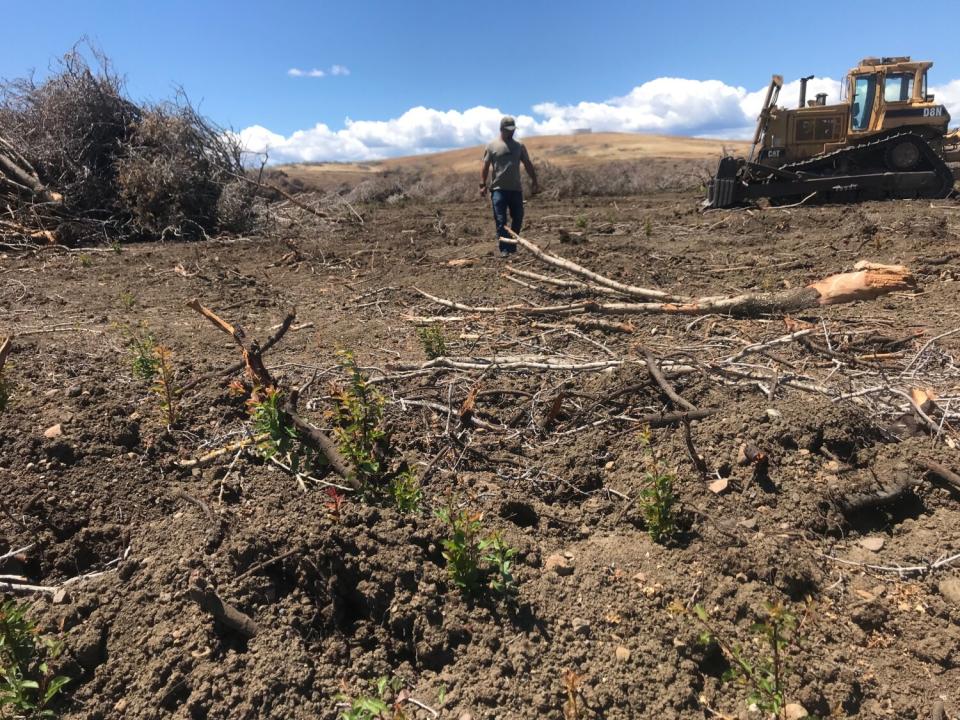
x: 873, y: 147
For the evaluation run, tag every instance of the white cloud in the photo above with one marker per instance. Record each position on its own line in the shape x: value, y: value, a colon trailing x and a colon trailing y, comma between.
x: 297, y: 72
x: 337, y: 70
x: 680, y: 106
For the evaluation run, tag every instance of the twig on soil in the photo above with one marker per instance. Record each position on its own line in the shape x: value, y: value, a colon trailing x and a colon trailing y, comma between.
x: 254, y: 569
x: 18, y: 551
x: 208, y: 600
x: 938, y: 470
x: 667, y: 388
x: 901, y: 570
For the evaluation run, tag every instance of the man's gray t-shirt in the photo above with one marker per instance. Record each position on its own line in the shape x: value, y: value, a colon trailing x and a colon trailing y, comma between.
x: 505, y: 158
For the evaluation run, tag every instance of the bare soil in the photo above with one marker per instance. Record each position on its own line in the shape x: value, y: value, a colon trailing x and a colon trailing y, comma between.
x: 366, y: 594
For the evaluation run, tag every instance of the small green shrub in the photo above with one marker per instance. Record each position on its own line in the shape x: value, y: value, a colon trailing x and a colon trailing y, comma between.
x: 474, y: 560
x: 499, y: 556
x: 143, y: 354
x: 358, y: 415
x: 761, y: 667
x: 462, y: 549
x: 28, y: 681
x: 433, y: 342
x: 268, y: 419
x: 365, y: 442
x: 165, y: 386
x: 581, y: 221
x: 657, y: 503
x: 405, y: 491
x: 127, y: 300
x: 382, y: 703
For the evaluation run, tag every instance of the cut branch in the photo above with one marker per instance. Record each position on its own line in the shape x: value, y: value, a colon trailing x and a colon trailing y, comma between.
x: 262, y: 380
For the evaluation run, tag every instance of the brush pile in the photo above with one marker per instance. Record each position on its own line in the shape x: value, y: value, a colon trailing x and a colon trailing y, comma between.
x: 80, y: 161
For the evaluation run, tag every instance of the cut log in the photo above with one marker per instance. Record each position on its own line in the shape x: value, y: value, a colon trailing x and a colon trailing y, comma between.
x: 868, y: 281
x: 17, y: 173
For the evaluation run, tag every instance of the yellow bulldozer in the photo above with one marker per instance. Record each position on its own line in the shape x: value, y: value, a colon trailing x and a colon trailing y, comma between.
x: 887, y: 138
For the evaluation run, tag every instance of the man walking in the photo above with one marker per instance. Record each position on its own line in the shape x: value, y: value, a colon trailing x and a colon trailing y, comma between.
x: 505, y: 155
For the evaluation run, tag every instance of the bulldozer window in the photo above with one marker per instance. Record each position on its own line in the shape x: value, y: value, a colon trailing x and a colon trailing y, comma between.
x: 898, y: 88
x: 863, y: 94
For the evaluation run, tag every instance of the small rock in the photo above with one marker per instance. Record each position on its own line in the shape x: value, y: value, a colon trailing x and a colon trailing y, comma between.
x: 718, y: 486
x: 623, y: 654
x: 872, y: 543
x: 559, y: 564
x: 580, y: 626
x: 950, y: 589
x: 609, y: 466
x: 774, y: 414
x: 61, y: 597
x: 53, y: 431
x: 794, y: 711
x: 74, y: 391
x: 466, y: 716
x: 120, y: 705
x: 748, y: 523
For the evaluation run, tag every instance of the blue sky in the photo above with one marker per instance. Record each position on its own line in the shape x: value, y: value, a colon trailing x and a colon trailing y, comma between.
x: 611, y: 65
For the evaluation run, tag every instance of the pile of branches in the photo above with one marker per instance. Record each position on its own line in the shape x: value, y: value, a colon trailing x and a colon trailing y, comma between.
x: 80, y: 161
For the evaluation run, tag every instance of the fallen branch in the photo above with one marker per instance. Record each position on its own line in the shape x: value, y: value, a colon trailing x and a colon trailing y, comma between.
x: 579, y: 270
x: 667, y: 388
x: 271, y: 341
x: 263, y: 381
x: 939, y: 471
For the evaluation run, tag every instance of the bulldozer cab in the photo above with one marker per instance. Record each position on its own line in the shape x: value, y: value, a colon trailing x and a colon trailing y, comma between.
x: 891, y: 92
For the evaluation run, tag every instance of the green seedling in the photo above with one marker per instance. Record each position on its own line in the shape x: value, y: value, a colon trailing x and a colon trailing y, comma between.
x: 28, y: 681
x: 760, y: 667
x: 657, y: 501
x: 433, y: 342
x: 383, y: 703
x: 462, y: 549
x: 358, y: 415
x: 581, y: 221
x: 405, y: 492
x: 364, y: 441
x: 143, y: 355
x: 499, y: 556
x: 127, y: 300
x: 165, y: 385
x: 473, y: 560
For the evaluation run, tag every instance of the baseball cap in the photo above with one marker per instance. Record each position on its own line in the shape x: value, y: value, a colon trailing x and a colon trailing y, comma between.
x: 508, y: 123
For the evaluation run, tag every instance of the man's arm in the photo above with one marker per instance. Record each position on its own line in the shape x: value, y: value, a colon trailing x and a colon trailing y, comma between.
x: 484, y: 172
x: 531, y: 171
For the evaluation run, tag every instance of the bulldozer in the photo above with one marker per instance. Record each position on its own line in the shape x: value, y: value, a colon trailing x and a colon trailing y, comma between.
x: 886, y: 138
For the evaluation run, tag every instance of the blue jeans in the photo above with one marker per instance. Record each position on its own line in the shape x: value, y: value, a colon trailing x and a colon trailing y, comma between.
x: 504, y: 200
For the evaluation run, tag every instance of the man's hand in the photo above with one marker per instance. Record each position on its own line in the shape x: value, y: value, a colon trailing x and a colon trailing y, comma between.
x: 535, y: 188
x: 483, y: 189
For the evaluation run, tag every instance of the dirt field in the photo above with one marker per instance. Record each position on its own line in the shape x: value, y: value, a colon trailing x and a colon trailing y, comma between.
x: 604, y: 623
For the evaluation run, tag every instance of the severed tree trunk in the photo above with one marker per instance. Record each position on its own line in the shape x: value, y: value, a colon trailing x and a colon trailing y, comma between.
x: 17, y: 174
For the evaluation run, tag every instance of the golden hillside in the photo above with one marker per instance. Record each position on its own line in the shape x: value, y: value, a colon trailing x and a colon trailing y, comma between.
x: 562, y: 150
